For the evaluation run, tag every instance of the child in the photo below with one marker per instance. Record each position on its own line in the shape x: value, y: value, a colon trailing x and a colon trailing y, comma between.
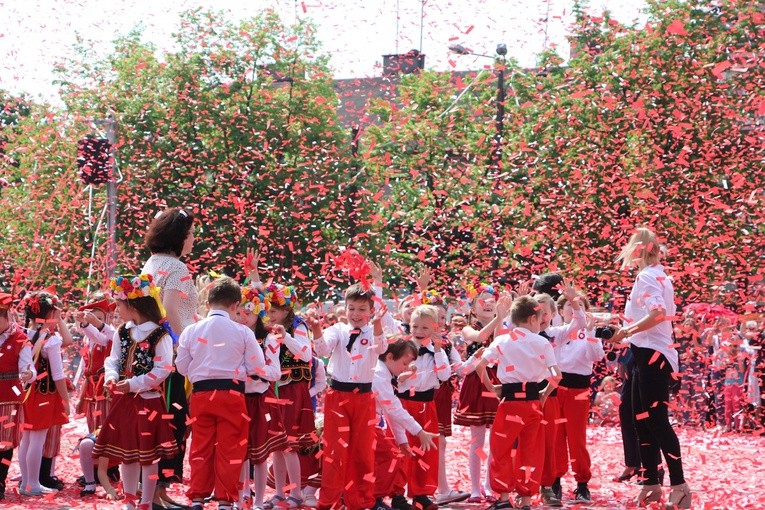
x: 349, y: 407
x: 475, y: 409
x: 16, y: 367
x: 216, y: 354
x: 390, y: 475
x: 607, y: 402
x: 297, y: 414
x: 416, y: 393
x: 524, y: 360
x: 47, y: 400
x: 136, y: 431
x: 266, y: 433
x: 94, y: 325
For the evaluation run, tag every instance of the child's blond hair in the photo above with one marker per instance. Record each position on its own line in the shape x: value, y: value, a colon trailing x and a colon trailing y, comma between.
x: 642, y: 246
x: 425, y: 311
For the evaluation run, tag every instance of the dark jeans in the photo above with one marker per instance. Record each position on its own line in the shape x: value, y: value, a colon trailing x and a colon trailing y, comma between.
x: 171, y: 470
x: 650, y: 396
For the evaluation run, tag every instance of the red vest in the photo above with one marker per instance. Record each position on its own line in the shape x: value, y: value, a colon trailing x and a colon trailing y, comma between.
x: 9, y: 368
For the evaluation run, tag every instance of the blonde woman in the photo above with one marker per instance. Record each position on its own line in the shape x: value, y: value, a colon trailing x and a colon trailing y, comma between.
x: 649, y: 333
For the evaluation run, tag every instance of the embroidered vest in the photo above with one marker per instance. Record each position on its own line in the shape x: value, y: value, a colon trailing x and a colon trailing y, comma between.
x: 293, y: 369
x: 137, y: 358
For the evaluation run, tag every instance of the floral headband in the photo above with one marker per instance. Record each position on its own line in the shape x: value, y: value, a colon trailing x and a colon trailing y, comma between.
x: 134, y: 287
x: 482, y: 288
x: 253, y: 302
x: 280, y: 295
x: 432, y: 297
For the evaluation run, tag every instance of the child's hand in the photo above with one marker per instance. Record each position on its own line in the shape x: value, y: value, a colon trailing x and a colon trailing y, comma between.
x: 426, y: 440
x: 121, y: 387
x: 408, y: 373
x: 503, y: 306
x: 479, y: 353
x: 111, y: 494
x: 375, y: 271
x: 26, y: 375
x: 568, y: 290
x: 524, y: 288
x: 423, y: 279
x: 438, y: 341
x: 379, y: 314
x: 278, y: 330
x: 405, y: 450
x: 251, y: 264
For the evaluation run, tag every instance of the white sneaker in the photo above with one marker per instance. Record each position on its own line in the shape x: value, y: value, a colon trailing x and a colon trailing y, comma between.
x: 452, y: 496
x: 310, y: 501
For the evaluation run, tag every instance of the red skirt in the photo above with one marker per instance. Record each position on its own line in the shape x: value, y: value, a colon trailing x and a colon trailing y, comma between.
x: 93, y: 388
x: 297, y: 414
x: 42, y: 411
x: 267, y: 433
x: 474, y: 407
x: 136, y: 430
x: 10, y: 425
x: 443, y: 400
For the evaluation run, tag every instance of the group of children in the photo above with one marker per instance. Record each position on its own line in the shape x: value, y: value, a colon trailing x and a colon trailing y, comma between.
x: 255, y: 368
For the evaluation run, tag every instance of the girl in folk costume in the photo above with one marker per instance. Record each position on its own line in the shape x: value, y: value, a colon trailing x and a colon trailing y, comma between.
x: 16, y: 367
x: 47, y: 400
x: 266, y: 429
x: 295, y: 356
x: 136, y: 432
x: 475, y: 408
x: 443, y: 400
x: 93, y: 322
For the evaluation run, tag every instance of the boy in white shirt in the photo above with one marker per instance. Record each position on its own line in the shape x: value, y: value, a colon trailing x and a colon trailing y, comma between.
x: 216, y: 354
x: 524, y: 360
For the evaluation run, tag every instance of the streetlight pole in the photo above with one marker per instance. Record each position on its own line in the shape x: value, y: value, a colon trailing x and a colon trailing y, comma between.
x: 495, y: 158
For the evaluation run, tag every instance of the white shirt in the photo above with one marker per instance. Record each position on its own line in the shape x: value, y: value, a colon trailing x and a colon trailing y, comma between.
x: 218, y: 348
x: 319, y: 378
x: 358, y: 365
x: 653, y: 290
x: 389, y: 406
x: 270, y: 371
x: 25, y: 361
x: 96, y: 337
x: 521, y: 356
x: 577, y: 355
x: 432, y: 369
x: 50, y: 349
x: 163, y: 361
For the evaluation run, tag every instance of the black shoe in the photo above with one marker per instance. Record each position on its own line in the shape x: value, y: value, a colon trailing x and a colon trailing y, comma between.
x: 500, y: 505
x: 557, y: 489
x: 81, y: 480
x: 2, y: 491
x: 400, y: 503
x: 88, y: 492
x: 661, y: 476
x: 53, y: 482
x: 424, y: 503
x: 380, y: 505
x: 582, y: 493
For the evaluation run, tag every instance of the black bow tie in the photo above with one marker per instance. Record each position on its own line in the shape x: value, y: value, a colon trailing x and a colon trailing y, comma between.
x: 355, y: 333
x: 394, y: 382
x: 424, y: 350
x: 545, y: 335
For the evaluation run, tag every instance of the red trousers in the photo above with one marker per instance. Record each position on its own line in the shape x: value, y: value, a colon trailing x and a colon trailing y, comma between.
x: 348, y: 462
x: 218, y: 443
x: 572, y: 434
x: 551, y: 416
x: 390, y: 477
x: 517, y: 469
x: 422, y: 468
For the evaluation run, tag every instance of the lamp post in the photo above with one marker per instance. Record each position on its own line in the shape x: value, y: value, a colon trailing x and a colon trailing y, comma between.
x: 499, y: 121
x: 495, y: 159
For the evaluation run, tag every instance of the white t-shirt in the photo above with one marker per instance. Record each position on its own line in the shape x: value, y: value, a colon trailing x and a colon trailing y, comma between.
x: 521, y: 356
x: 653, y: 290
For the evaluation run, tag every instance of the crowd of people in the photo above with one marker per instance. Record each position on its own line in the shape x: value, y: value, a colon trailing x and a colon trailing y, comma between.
x: 355, y: 405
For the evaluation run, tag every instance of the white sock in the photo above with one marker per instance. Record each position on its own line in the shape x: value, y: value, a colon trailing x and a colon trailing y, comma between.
x: 293, y: 470
x: 149, y: 481
x: 86, y: 459
x: 30, y: 458
x: 130, y: 475
x: 477, y: 440
x: 260, y: 473
x: 443, y: 482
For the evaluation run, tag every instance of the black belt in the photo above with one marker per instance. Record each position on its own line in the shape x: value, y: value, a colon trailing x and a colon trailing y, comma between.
x: 218, y: 384
x: 520, y: 391
x: 418, y: 396
x: 543, y: 385
x: 576, y: 381
x: 9, y: 376
x: 351, y: 387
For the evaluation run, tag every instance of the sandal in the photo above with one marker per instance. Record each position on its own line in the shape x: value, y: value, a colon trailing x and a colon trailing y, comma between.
x: 293, y: 502
x: 273, y: 502
x: 626, y: 475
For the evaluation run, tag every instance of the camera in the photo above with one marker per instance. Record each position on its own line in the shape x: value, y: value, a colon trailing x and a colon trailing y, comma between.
x: 604, y: 332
